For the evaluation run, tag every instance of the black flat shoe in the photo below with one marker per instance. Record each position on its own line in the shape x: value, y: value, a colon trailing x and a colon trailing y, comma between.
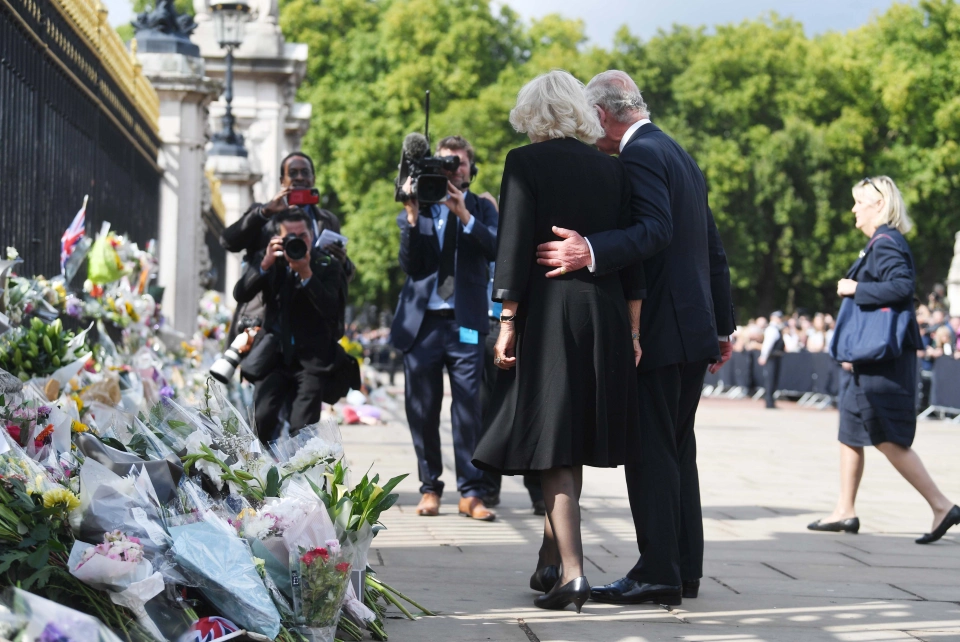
x: 627, y: 591
x: 543, y: 579
x: 691, y: 588
x: 575, y: 591
x: 952, y: 519
x: 540, y: 508
x: 851, y: 525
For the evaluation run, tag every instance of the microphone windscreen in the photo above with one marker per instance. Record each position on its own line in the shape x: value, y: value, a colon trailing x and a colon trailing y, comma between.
x: 416, y: 146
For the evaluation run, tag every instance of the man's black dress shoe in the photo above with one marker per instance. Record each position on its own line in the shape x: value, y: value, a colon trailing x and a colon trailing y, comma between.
x: 544, y: 578
x: 952, y: 519
x: 851, y: 525
x: 627, y: 591
x: 691, y: 588
x: 575, y: 591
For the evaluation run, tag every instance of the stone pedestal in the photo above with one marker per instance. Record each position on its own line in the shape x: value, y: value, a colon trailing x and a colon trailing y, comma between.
x: 236, y: 189
x: 185, y: 92
x: 953, y: 280
x: 267, y: 71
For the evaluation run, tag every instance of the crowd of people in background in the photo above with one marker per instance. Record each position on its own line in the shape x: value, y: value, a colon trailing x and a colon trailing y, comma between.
x: 802, y: 332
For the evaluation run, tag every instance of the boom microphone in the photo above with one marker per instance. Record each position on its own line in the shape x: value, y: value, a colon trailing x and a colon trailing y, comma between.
x: 416, y: 146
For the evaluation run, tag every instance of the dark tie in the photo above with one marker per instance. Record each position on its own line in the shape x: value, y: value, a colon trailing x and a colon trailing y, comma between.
x: 445, y: 277
x: 286, y: 332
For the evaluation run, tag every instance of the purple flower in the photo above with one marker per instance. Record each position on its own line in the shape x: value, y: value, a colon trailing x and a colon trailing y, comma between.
x: 52, y: 633
x: 167, y: 392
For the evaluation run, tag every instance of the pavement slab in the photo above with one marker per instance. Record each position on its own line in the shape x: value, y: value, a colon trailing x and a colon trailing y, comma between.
x: 764, y: 476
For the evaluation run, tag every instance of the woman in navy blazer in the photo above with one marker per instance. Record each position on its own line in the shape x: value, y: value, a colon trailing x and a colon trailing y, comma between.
x: 878, y: 400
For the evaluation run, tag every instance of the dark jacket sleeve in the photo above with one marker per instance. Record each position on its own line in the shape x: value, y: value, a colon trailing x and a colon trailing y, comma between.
x: 484, y: 232
x: 652, y: 228
x: 251, y: 281
x: 515, y: 236
x: 324, y: 290
x: 632, y: 277
x: 720, y: 280
x: 244, y: 235
x: 417, y: 258
x: 895, y: 274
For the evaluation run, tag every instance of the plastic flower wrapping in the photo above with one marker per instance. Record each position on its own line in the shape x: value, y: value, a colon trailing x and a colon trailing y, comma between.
x: 136, y: 491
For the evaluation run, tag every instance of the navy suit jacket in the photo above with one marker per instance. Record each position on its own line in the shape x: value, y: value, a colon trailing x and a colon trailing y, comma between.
x: 420, y: 260
x: 688, y: 302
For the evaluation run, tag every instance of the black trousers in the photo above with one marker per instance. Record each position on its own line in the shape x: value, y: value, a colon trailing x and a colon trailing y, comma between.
x: 287, y: 385
x: 771, y: 379
x: 664, y: 489
x: 531, y: 480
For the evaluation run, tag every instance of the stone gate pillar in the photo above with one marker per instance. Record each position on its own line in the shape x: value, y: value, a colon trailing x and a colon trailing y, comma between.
x: 177, y: 71
x: 953, y: 280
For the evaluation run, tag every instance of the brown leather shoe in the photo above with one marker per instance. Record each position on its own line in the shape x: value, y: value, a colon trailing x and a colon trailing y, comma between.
x: 429, y: 505
x: 474, y: 508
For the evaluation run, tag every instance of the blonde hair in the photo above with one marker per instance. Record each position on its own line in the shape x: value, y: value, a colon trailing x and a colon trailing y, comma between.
x: 894, y: 212
x: 553, y: 105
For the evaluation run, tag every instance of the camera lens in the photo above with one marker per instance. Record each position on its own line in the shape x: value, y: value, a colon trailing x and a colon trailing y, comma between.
x: 294, y: 247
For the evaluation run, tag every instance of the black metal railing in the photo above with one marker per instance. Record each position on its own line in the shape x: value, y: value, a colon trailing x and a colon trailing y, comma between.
x: 66, y: 130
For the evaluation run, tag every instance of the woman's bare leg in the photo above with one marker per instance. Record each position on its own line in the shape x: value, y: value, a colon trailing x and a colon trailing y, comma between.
x: 908, y: 464
x: 561, y: 489
x: 851, y: 472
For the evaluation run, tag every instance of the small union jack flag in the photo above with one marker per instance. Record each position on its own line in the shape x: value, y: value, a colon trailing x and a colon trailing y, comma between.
x: 72, y: 236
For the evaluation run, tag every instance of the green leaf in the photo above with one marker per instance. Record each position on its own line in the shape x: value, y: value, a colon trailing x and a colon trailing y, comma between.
x: 38, y: 558
x: 273, y: 483
x: 40, y: 578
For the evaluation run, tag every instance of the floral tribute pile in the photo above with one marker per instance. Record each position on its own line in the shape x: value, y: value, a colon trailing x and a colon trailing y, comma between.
x: 136, y: 501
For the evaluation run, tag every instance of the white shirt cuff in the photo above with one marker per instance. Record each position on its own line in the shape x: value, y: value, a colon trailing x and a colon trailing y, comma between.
x: 593, y: 260
x: 469, y: 226
x: 724, y: 338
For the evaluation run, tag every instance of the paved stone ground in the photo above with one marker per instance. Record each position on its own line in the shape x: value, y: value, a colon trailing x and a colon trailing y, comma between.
x: 764, y: 475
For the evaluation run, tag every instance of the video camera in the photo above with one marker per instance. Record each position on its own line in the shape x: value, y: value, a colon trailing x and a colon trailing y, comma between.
x: 427, y: 183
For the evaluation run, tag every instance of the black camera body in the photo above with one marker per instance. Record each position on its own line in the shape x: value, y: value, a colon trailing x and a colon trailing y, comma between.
x: 427, y: 183
x: 294, y: 247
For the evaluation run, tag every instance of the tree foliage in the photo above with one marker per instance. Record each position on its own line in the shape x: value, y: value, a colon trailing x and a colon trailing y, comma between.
x: 781, y: 124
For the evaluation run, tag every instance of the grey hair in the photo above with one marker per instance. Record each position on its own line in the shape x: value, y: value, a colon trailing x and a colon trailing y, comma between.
x: 553, y: 105
x: 615, y: 92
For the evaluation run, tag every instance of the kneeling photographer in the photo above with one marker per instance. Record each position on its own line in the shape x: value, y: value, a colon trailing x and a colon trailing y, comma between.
x: 295, y: 360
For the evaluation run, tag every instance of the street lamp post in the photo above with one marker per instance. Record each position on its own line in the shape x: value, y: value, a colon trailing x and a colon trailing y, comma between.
x: 228, y: 21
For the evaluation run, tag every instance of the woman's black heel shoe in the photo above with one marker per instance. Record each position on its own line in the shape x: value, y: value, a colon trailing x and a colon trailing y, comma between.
x: 575, y: 591
x: 544, y: 579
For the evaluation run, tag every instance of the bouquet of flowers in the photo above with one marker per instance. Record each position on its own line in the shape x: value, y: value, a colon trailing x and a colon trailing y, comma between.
x: 39, y: 350
x: 320, y: 576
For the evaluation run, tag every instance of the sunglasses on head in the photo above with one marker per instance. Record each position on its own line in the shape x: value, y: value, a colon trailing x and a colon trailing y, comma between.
x: 867, y: 180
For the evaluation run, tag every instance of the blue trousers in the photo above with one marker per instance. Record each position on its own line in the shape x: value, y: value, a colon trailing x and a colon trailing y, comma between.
x: 437, y: 346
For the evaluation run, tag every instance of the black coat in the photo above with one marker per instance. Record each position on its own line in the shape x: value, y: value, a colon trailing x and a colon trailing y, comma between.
x: 688, y: 303
x: 878, y: 403
x: 308, y: 319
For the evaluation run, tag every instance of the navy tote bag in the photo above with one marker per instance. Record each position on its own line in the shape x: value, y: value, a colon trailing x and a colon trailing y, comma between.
x: 866, y: 336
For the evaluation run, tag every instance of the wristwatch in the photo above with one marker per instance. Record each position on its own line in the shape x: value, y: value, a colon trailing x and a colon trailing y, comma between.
x: 504, y: 319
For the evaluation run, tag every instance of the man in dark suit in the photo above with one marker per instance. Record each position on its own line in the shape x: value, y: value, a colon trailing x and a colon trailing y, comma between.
x: 303, y: 301
x: 685, y: 325
x: 441, y: 320
x: 251, y: 233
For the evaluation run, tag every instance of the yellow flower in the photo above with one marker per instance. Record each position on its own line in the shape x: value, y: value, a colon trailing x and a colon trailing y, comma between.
x: 246, y: 512
x: 76, y: 398
x: 62, y: 496
x: 76, y: 426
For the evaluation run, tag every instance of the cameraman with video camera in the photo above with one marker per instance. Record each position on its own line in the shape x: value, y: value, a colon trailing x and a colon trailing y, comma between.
x: 295, y: 355
x: 447, y: 239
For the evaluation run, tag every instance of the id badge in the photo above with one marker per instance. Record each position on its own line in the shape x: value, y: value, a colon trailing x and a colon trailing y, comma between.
x: 469, y: 336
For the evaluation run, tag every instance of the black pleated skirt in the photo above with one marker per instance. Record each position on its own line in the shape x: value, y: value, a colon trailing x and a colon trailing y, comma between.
x: 571, y: 400
x: 878, y: 402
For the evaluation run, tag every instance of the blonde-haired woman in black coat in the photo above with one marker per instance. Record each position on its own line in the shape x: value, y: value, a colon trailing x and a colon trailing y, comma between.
x: 878, y: 400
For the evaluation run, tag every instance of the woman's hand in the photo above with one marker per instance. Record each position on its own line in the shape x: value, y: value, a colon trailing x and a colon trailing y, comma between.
x: 503, y: 352
x: 846, y: 287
